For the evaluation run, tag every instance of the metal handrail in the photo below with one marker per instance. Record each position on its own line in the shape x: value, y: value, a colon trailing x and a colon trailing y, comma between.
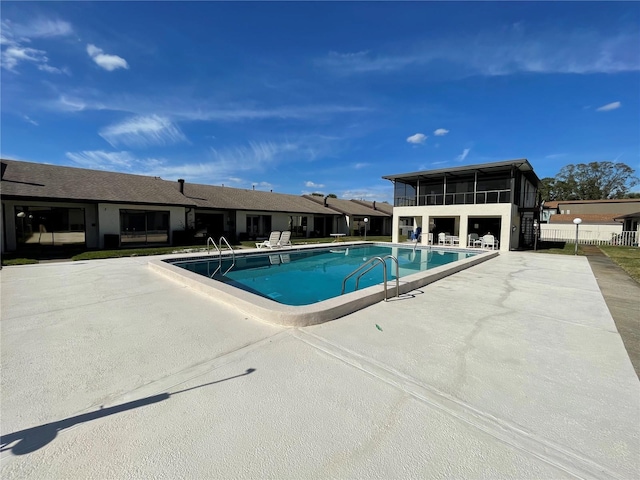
x: 214, y: 244
x: 233, y: 255
x: 371, y: 263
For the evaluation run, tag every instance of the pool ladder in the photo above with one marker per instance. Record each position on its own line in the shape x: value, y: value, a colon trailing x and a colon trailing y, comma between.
x: 211, y: 241
x: 371, y: 263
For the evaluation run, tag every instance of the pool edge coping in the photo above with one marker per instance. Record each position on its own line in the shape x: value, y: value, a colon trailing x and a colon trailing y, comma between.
x: 264, y: 309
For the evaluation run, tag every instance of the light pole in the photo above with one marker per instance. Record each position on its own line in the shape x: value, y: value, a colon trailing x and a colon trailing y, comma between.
x: 536, y: 225
x: 366, y: 220
x: 577, y: 221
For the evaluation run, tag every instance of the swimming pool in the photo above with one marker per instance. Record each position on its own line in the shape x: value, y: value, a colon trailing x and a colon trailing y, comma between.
x: 304, y: 277
x: 304, y: 285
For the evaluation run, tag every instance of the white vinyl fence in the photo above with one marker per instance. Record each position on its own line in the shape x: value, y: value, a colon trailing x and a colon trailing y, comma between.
x: 588, y: 235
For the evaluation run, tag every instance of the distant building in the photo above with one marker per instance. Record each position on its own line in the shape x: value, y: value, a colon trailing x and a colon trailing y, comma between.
x: 50, y: 206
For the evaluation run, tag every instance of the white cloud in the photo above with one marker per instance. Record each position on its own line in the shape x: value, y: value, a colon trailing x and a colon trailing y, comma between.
x: 417, y: 139
x: 106, y: 61
x: 313, y: 185
x: 463, y: 155
x: 101, y: 160
x: 609, y: 106
x: 15, y: 36
x: 42, y: 28
x: 440, y: 132
x: 360, y: 165
x: 32, y: 122
x: 502, y: 52
x: 143, y: 131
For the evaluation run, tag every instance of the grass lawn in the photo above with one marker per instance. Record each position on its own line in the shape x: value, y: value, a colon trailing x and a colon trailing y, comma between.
x: 559, y: 248
x: 627, y: 257
x: 139, y: 252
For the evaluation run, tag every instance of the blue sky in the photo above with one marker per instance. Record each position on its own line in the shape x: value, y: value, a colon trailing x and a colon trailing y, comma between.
x: 319, y: 97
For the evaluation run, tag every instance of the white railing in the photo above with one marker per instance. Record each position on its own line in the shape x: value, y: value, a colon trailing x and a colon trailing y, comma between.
x: 589, y: 237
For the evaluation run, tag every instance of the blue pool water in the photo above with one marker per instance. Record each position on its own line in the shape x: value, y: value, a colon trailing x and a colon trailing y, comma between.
x: 303, y: 277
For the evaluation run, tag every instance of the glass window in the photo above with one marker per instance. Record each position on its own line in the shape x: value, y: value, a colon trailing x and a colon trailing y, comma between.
x: 52, y: 226
x: 143, y: 227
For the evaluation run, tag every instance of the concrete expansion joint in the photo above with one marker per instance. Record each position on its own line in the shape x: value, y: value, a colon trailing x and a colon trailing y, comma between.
x: 506, y: 432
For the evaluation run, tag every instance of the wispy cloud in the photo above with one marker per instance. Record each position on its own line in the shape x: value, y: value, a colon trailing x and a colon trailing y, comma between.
x: 119, y: 161
x: 463, y: 155
x: 15, y: 38
x: 178, y: 108
x: 142, y: 132
x: 313, y: 185
x: 553, y: 156
x: 106, y: 61
x: 361, y: 165
x: 41, y: 28
x: 502, y: 52
x: 417, y: 139
x: 32, y: 122
x: 609, y: 106
x: 440, y: 132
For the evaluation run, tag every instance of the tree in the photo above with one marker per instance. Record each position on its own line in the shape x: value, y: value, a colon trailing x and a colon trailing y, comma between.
x: 332, y: 195
x: 632, y: 195
x: 316, y: 194
x: 592, y: 181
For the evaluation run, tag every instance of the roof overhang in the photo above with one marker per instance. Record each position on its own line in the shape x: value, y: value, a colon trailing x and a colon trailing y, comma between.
x: 521, y: 164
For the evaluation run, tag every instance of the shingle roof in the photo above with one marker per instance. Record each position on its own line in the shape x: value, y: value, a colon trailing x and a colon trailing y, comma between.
x: 606, y: 200
x: 227, y: 198
x: 37, y: 180
x: 40, y: 181
x: 587, y: 218
x: 349, y: 207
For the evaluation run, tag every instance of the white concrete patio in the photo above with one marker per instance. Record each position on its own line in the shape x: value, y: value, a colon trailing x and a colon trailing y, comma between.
x: 511, y: 369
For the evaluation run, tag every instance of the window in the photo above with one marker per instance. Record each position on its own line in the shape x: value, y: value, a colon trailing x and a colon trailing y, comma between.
x: 143, y: 227
x: 258, y: 225
x: 404, y: 194
x: 298, y: 225
x: 51, y: 226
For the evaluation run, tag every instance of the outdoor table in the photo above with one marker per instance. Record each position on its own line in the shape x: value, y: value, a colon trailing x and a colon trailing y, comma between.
x: 337, y: 236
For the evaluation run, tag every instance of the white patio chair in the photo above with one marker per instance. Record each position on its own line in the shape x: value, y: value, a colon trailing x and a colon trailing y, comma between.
x: 442, y: 238
x: 474, y: 240
x: 489, y: 241
x: 272, y: 242
x: 285, y: 239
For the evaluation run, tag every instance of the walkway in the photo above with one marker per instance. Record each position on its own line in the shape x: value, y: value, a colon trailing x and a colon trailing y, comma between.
x: 511, y: 369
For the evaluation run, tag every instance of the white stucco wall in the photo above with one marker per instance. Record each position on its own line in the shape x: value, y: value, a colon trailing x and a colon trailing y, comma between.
x: 461, y: 213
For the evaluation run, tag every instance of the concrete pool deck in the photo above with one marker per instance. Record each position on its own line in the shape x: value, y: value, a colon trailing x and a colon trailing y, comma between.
x: 510, y: 369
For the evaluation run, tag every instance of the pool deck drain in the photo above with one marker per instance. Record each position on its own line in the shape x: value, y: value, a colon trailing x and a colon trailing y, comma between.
x: 511, y: 369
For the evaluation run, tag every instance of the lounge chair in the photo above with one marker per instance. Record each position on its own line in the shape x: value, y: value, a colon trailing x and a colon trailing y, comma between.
x: 285, y: 239
x: 489, y: 241
x: 272, y: 242
x: 442, y: 238
x: 474, y: 240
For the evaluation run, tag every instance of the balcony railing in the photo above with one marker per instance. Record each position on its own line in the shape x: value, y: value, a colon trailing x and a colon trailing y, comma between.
x: 466, y: 198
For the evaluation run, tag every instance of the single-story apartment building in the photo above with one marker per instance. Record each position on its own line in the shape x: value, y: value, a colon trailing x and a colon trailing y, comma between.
x: 499, y: 198
x: 58, y: 206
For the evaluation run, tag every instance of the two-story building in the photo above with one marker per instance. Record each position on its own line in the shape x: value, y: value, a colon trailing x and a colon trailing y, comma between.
x: 498, y: 198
